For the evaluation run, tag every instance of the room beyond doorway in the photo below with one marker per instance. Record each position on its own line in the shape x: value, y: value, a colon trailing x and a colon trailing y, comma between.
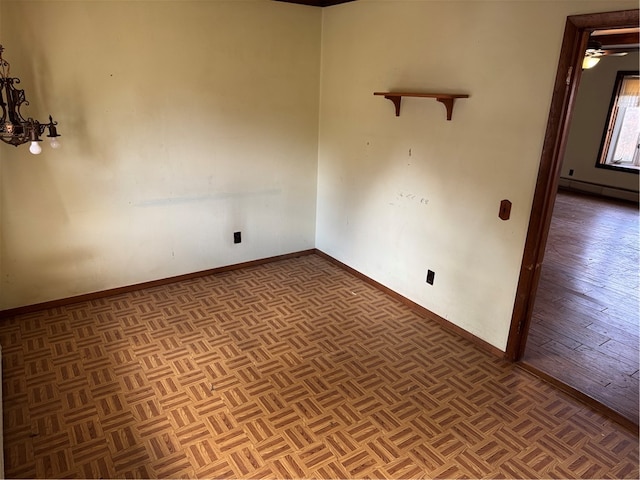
x: 584, y: 327
x: 577, y: 30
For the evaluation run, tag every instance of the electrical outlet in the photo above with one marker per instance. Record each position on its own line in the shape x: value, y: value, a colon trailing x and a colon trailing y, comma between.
x: 430, y: 276
x: 571, y: 172
x: 237, y: 237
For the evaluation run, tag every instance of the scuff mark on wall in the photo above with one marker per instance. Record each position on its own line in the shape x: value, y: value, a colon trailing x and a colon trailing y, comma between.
x: 157, y: 202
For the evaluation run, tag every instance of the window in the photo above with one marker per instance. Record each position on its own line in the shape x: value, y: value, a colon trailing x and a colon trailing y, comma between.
x: 621, y: 140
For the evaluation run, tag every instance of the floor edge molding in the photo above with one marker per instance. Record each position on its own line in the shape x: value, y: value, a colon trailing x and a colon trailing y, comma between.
x: 582, y: 397
x: 418, y: 308
x: 139, y: 286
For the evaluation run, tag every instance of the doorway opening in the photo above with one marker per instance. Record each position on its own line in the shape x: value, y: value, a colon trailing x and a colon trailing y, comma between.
x: 576, y: 35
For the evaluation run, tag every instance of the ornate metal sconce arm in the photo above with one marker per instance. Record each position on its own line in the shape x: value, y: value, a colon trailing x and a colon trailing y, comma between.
x: 14, y: 128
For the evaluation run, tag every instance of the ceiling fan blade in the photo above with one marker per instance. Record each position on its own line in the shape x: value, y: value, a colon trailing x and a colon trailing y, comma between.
x: 613, y: 53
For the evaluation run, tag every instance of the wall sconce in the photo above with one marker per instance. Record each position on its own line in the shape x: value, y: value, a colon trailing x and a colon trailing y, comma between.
x: 14, y: 128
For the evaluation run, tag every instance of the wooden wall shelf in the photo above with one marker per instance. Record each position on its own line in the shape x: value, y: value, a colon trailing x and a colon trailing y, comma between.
x: 447, y: 99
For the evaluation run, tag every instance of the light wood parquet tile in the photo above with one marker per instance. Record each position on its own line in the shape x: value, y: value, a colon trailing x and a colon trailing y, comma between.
x: 287, y: 370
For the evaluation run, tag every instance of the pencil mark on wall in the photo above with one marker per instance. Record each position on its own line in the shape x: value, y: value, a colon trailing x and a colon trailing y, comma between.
x: 408, y: 196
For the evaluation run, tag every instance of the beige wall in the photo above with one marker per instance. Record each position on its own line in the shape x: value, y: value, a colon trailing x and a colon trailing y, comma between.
x: 182, y: 122
x: 589, y: 121
x: 400, y: 195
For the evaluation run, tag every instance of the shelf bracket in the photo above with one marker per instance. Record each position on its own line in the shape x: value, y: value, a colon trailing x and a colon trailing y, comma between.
x: 396, y: 101
x: 448, y: 104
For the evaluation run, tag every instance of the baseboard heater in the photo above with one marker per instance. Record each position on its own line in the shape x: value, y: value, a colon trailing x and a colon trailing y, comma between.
x: 598, y: 189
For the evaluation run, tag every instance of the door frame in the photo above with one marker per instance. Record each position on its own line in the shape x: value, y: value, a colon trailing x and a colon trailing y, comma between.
x: 574, y: 43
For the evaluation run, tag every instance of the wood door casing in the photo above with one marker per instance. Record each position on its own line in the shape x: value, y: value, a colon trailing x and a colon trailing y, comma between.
x: 577, y: 30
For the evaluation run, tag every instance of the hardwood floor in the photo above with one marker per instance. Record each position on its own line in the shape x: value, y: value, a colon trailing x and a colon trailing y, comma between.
x: 584, y: 328
x: 285, y: 370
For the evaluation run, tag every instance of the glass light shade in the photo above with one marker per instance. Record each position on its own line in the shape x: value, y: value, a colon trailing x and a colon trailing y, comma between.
x: 590, y: 62
x: 35, y: 148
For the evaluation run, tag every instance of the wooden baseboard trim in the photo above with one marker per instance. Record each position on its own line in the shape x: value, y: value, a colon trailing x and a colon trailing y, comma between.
x: 188, y: 276
x: 139, y: 286
x: 446, y: 324
x: 582, y: 397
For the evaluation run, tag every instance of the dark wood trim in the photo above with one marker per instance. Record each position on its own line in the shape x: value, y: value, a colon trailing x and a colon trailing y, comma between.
x: 188, y: 276
x: 139, y: 286
x: 632, y: 39
x: 582, y: 397
x: 606, y: 20
x: 617, y: 168
x: 577, y: 30
x: 567, y: 77
x: 316, y: 3
x: 447, y: 99
x: 446, y: 324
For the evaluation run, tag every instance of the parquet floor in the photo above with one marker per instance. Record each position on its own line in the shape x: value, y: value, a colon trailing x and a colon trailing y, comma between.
x: 586, y: 319
x: 287, y: 370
